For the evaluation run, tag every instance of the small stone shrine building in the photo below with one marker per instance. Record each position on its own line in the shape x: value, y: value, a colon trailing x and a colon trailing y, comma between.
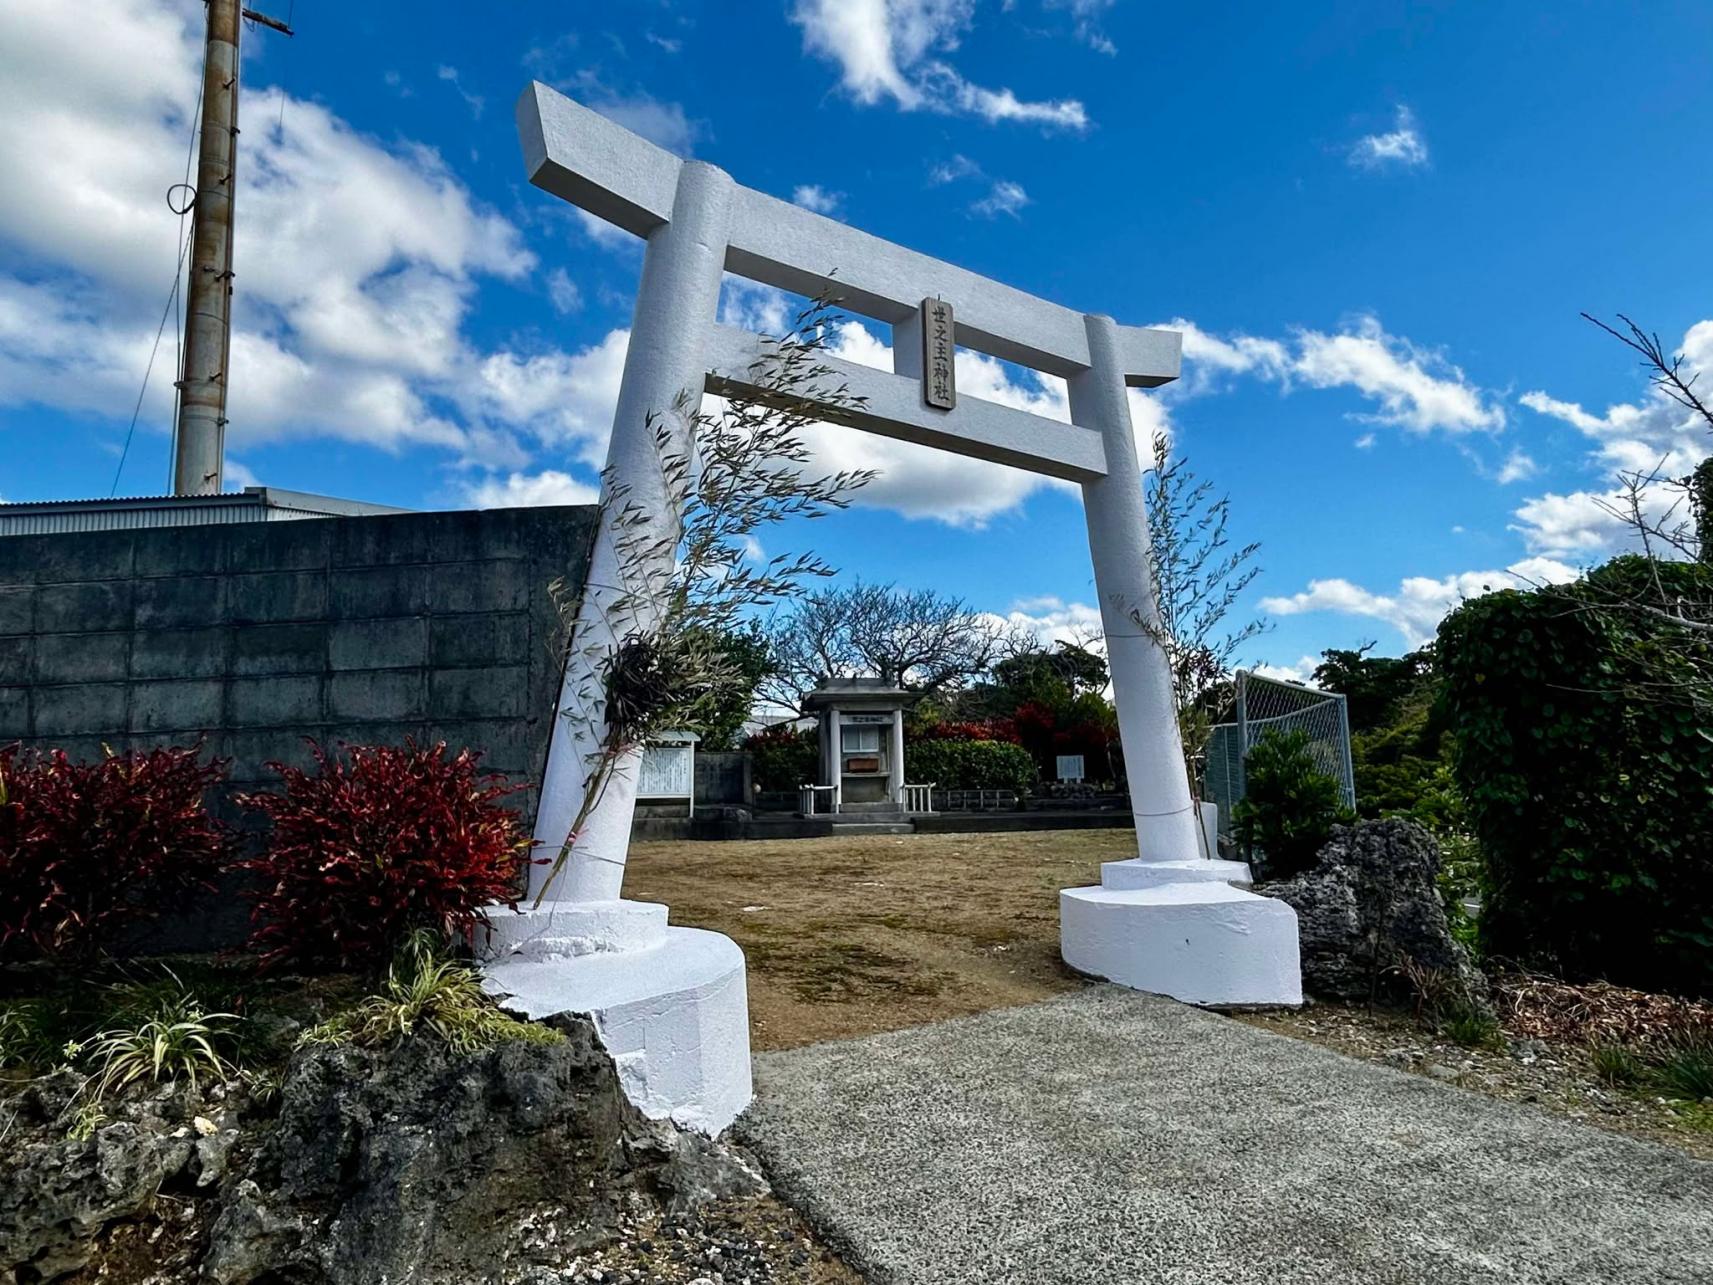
x: 861, y: 725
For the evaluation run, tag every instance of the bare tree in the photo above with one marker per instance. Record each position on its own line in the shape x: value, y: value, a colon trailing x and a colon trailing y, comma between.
x: 1668, y: 515
x: 809, y: 645
x: 919, y: 639
x: 1661, y: 598
x: 1199, y: 575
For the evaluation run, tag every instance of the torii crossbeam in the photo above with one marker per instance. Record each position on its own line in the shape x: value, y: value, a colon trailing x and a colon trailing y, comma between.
x: 1169, y: 920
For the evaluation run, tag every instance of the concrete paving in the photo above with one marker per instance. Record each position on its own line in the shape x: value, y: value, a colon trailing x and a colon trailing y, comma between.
x: 1110, y: 1136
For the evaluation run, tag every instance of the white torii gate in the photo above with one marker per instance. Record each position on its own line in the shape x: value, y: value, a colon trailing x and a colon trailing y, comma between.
x: 1170, y: 920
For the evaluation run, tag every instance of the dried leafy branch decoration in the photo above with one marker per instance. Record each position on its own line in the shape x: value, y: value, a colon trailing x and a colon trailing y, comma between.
x: 728, y: 472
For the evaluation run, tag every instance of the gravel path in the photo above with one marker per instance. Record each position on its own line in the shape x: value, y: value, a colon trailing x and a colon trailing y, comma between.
x: 1109, y: 1136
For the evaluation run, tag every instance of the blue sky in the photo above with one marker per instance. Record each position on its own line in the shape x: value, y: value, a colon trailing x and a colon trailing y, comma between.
x: 1376, y: 225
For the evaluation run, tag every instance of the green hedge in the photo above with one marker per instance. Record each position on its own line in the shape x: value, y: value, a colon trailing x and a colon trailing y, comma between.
x: 783, y: 758
x: 1587, y: 774
x: 970, y: 765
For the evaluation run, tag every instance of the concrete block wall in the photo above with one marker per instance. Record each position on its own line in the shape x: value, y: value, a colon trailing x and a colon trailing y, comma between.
x: 437, y: 626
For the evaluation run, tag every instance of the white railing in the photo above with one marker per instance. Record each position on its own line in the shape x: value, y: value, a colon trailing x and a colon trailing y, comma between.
x: 919, y: 798
x: 807, y: 798
x: 979, y: 800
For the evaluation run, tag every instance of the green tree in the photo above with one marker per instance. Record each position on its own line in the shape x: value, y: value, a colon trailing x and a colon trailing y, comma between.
x: 1289, y: 805
x: 1050, y: 677
x: 1374, y: 687
x: 745, y: 655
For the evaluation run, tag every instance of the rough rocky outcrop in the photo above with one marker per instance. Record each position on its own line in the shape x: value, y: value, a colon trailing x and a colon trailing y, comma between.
x: 412, y: 1164
x: 58, y: 1193
x: 424, y: 1165
x: 1369, y: 914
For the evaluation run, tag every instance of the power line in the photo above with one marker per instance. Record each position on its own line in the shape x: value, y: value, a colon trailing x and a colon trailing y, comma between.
x: 172, y: 299
x: 291, y: 13
x: 178, y: 281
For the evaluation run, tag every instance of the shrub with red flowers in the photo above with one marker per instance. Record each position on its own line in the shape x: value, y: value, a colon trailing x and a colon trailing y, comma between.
x: 86, y: 848
x: 970, y: 729
x: 376, y: 842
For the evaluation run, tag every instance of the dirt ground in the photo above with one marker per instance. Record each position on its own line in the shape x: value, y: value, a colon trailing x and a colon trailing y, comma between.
x: 848, y: 937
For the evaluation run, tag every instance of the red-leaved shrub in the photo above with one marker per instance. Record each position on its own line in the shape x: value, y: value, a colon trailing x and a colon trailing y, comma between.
x: 970, y: 729
x: 87, y: 847
x: 376, y: 842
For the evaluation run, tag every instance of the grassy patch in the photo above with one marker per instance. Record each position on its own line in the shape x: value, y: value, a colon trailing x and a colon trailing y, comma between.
x: 176, y: 1041
x: 1680, y: 1069
x: 426, y: 993
x: 1472, y: 1028
x: 1695, y: 1115
x: 1686, y: 1066
x: 1618, y: 1065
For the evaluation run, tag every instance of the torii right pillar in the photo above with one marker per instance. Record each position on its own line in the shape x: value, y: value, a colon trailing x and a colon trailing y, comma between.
x: 1173, y: 920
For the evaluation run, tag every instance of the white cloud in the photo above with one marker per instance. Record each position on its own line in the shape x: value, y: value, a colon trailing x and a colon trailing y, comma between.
x: 562, y: 292
x: 1416, y: 389
x: 761, y: 309
x: 1051, y: 620
x: 1365, y: 442
x: 517, y: 490
x: 1654, y: 433
x: 960, y: 166
x: 357, y: 263
x: 608, y: 236
x: 663, y: 123
x: 1420, y: 602
x: 1401, y: 147
x: 1412, y: 387
x: 921, y: 482
x: 886, y: 50
x: 1518, y: 467
x: 475, y: 102
x: 1568, y: 525
x: 669, y: 44
x: 1301, y: 672
x: 561, y: 399
x: 1004, y: 197
x: 1086, y: 16
x: 812, y: 196
x: 1208, y: 358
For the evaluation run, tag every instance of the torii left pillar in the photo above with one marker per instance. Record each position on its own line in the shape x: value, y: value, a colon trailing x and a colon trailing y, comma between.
x: 671, y: 1004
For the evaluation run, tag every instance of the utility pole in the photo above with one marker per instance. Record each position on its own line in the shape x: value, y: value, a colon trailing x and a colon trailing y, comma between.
x: 199, y: 453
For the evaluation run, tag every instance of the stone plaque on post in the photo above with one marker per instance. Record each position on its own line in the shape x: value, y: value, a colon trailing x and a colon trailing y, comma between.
x: 939, y: 375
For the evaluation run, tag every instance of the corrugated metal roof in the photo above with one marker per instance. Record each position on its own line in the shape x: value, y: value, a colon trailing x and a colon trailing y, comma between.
x: 138, y: 512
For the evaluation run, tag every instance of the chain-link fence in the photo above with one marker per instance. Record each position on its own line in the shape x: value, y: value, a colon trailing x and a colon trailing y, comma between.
x: 1267, y: 704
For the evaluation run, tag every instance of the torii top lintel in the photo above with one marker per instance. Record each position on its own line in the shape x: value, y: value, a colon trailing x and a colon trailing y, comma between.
x: 580, y: 156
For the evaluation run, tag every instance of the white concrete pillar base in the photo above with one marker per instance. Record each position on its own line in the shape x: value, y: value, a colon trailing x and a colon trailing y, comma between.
x: 1202, y: 942
x: 557, y: 928
x: 673, y: 1013
x: 1136, y: 873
